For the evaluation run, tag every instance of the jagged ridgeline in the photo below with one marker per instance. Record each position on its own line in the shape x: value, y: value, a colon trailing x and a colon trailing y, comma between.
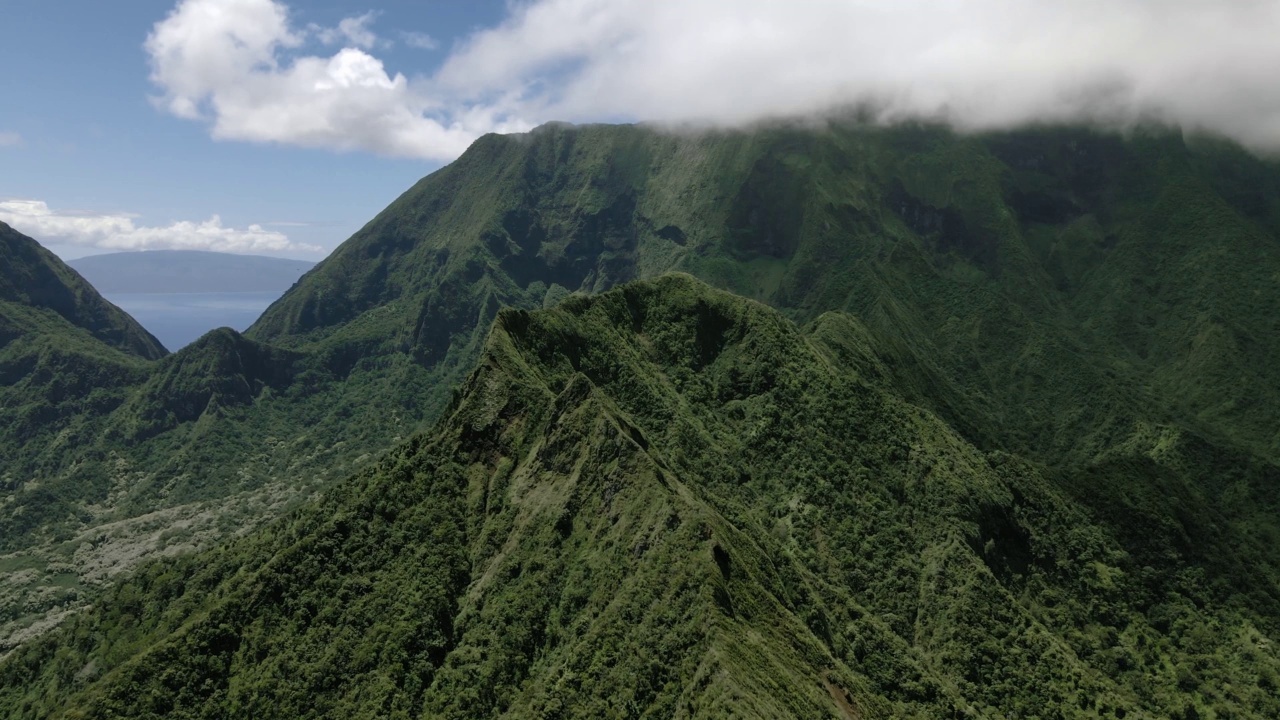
x: 1094, y: 313
x: 670, y: 501
x: 1043, y: 290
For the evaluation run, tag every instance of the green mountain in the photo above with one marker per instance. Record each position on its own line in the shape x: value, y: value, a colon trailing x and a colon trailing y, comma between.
x: 40, y: 295
x: 668, y: 501
x: 1068, y: 330
x: 66, y: 358
x: 189, y: 271
x: 1067, y: 259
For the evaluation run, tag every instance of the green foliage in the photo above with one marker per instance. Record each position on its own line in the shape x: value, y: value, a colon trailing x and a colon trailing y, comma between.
x: 670, y: 501
x: 1009, y: 449
x: 34, y: 278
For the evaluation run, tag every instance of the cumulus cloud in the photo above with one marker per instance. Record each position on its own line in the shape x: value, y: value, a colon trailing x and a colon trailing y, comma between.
x: 978, y: 63
x: 232, y: 63
x: 10, y: 139
x: 119, y: 232
x: 1205, y: 64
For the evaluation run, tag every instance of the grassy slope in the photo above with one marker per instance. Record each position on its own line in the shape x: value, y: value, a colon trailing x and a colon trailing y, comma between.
x: 669, y: 501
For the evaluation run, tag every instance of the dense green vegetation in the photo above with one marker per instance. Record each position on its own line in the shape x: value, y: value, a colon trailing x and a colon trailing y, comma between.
x: 37, y: 289
x: 1020, y: 459
x: 67, y: 359
x: 670, y: 501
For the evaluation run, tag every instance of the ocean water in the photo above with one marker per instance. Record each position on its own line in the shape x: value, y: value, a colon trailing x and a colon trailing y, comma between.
x: 178, y: 319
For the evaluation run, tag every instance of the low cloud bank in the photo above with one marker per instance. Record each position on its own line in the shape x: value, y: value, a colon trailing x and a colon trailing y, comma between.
x: 119, y: 232
x: 244, y: 67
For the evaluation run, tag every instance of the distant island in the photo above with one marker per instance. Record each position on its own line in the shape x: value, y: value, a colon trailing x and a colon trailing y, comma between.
x: 188, y: 271
x: 179, y: 295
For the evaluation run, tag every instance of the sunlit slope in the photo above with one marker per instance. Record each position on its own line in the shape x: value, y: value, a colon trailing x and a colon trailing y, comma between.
x: 1101, y: 305
x: 1015, y: 275
x: 668, y: 501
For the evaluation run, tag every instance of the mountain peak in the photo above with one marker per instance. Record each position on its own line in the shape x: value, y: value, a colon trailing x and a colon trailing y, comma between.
x: 936, y: 424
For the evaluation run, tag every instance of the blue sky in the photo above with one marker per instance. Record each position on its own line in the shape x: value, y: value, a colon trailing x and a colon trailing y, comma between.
x: 91, y: 140
x: 281, y: 126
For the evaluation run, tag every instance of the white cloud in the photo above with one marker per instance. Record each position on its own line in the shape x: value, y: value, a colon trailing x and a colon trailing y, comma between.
x: 226, y: 61
x: 119, y: 232
x: 419, y: 40
x: 978, y: 63
x: 10, y: 139
x: 354, y: 30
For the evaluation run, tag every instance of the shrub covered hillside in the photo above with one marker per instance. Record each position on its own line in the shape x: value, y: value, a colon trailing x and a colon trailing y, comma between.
x: 1014, y: 275
x: 1101, y: 306
x: 1046, y: 291
x: 668, y: 501
x: 67, y: 357
x: 35, y: 281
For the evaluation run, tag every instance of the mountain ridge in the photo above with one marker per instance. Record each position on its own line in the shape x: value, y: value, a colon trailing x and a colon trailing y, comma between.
x: 1087, y: 312
x: 35, y: 278
x: 590, y: 507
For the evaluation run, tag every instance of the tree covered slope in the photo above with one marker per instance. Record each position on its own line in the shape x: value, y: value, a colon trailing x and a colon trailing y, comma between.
x: 37, y: 289
x: 67, y: 358
x: 668, y: 501
x: 1030, y: 269
x: 1089, y: 317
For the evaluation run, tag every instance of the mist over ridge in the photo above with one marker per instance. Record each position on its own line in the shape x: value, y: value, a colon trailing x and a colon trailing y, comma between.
x: 255, y: 74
